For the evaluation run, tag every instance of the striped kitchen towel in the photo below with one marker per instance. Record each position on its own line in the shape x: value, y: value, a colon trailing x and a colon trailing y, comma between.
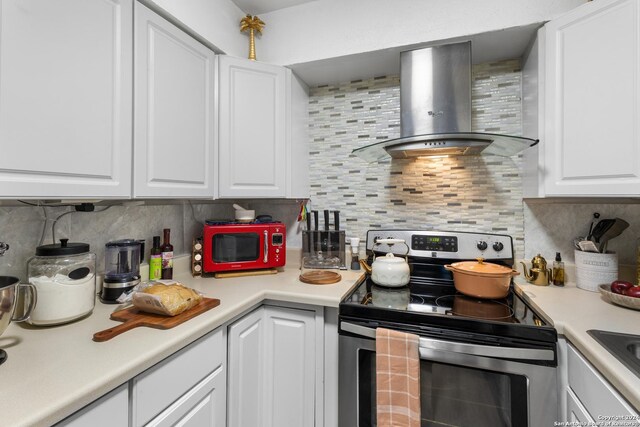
x: 397, y: 379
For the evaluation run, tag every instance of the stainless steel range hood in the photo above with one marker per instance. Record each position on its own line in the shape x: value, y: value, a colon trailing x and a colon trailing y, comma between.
x: 435, y: 110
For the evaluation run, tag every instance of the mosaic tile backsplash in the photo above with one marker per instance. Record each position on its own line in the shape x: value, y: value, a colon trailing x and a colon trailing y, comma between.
x: 478, y: 193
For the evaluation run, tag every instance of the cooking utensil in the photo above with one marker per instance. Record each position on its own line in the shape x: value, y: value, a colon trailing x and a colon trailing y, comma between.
x: 481, y: 279
x: 132, y: 318
x: 9, y: 288
x: 601, y: 228
x: 596, y: 215
x: 587, y: 246
x: 618, y: 226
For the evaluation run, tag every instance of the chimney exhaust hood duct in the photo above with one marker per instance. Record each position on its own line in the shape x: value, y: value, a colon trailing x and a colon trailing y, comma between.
x: 435, y: 110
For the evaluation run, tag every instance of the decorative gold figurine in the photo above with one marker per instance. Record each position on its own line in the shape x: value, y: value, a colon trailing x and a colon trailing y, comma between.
x: 251, y: 23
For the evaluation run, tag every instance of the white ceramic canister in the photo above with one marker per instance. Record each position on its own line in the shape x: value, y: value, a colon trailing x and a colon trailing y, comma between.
x: 595, y: 269
x: 65, y: 280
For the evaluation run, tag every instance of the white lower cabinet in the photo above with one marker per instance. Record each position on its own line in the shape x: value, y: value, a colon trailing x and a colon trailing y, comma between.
x: 111, y: 410
x: 590, y: 398
x: 188, y: 386
x: 275, y: 368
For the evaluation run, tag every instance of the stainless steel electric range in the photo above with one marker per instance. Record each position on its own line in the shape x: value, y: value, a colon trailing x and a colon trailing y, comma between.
x: 483, y: 362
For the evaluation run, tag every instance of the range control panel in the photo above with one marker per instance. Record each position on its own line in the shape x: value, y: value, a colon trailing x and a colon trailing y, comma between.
x: 434, y: 243
x: 443, y: 244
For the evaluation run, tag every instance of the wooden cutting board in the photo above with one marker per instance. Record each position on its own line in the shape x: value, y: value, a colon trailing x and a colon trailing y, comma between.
x: 132, y: 318
x: 319, y: 277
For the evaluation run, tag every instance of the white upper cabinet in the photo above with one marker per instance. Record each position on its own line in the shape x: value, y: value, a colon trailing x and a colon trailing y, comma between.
x: 65, y: 98
x: 174, y: 115
x: 252, y: 134
x: 590, y: 126
x: 297, y: 138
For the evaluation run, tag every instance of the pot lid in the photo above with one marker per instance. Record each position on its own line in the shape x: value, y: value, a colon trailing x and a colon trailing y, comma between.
x: 62, y: 248
x: 481, y: 267
x: 390, y: 258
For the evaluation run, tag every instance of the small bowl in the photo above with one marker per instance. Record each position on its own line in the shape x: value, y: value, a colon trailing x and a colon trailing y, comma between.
x: 619, y: 299
x: 245, y: 215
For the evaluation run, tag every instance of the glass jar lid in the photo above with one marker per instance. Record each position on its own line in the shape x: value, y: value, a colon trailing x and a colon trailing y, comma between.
x: 62, y: 248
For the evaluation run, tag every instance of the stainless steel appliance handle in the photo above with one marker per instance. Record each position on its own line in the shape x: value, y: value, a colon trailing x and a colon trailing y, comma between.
x: 462, y: 348
x: 266, y: 247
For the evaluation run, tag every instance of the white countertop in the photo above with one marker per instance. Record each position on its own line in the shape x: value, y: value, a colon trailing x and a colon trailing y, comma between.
x: 574, y: 311
x: 52, y: 372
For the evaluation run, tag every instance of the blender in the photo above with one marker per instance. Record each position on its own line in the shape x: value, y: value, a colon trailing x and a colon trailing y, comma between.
x: 121, y: 269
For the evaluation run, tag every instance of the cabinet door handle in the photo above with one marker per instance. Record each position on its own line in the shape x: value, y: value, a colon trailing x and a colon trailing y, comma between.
x: 462, y: 348
x: 266, y: 247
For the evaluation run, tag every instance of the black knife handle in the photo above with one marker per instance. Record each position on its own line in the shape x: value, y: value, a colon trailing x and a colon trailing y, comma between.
x: 308, y: 221
x: 315, y: 219
x: 326, y: 219
x: 336, y: 220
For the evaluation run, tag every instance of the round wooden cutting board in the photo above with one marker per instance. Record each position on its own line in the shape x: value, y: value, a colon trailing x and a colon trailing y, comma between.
x: 319, y: 277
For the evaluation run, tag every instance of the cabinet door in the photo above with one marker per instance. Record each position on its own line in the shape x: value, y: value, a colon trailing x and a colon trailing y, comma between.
x: 111, y: 410
x: 174, y: 111
x: 246, y: 370
x: 297, y: 138
x: 592, y: 94
x: 290, y: 356
x: 65, y: 109
x: 576, y: 412
x: 252, y: 134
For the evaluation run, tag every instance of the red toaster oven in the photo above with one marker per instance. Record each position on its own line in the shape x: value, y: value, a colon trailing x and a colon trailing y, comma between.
x: 231, y: 246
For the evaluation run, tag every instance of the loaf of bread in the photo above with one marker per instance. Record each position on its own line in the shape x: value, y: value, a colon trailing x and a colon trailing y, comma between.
x: 166, y: 299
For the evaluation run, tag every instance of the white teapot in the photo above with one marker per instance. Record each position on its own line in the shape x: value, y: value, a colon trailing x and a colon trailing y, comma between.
x: 390, y: 270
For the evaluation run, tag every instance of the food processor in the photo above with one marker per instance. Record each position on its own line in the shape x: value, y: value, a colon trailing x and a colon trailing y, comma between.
x: 121, y: 269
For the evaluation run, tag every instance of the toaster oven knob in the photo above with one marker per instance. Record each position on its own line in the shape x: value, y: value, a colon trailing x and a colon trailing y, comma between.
x: 482, y: 245
x: 498, y: 246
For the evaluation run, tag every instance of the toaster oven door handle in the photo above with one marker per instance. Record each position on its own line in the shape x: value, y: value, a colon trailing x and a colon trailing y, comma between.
x: 265, y: 258
x: 462, y: 348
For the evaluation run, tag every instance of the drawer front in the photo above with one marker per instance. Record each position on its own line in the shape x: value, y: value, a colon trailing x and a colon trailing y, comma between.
x: 111, y: 410
x: 157, y: 388
x: 596, y: 394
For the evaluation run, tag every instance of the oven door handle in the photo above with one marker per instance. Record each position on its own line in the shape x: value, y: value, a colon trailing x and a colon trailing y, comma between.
x: 427, y: 344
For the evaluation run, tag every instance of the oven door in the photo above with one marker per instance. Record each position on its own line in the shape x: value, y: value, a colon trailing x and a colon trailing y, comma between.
x: 460, y: 384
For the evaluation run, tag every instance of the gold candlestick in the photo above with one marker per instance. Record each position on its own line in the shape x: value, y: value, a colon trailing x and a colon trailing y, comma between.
x: 252, y: 24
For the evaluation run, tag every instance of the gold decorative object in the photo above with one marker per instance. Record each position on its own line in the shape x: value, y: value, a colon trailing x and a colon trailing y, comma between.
x: 251, y: 23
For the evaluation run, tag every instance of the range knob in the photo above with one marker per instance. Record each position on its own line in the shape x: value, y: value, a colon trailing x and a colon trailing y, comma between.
x: 482, y: 245
x: 498, y: 246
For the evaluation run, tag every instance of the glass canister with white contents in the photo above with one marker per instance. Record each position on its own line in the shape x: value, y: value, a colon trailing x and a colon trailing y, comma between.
x: 64, y: 275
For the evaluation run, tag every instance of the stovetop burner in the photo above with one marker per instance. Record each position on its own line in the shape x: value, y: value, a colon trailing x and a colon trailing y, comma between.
x: 431, y: 305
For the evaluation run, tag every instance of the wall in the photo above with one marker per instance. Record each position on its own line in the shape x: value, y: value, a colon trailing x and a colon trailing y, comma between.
x: 330, y: 28
x: 22, y: 227
x: 458, y: 193
x: 552, y: 227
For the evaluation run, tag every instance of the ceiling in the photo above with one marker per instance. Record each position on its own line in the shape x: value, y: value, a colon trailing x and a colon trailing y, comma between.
x: 258, y: 7
x: 510, y: 43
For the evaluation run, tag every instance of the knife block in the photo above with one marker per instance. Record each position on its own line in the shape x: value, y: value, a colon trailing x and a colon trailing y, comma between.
x: 330, y: 242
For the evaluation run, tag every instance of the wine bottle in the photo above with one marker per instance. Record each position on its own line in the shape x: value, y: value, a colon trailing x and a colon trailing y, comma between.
x: 167, y: 255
